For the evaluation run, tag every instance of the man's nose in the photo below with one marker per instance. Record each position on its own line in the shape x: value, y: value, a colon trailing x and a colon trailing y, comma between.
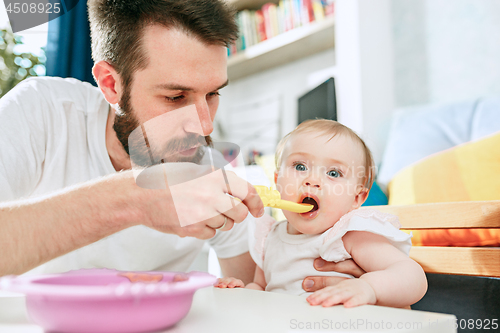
x: 198, y: 119
x: 206, y: 122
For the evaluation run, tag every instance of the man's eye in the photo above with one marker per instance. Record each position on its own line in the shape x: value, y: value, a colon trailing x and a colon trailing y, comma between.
x: 174, y: 99
x: 300, y: 167
x: 216, y: 93
x: 334, y: 173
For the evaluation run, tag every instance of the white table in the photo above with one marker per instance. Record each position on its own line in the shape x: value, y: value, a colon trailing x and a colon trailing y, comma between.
x: 242, y: 310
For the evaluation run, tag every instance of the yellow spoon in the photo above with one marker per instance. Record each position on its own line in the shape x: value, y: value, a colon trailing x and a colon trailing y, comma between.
x: 272, y: 198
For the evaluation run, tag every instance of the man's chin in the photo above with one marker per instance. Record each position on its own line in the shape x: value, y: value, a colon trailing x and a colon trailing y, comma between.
x: 193, y: 155
x: 189, y: 153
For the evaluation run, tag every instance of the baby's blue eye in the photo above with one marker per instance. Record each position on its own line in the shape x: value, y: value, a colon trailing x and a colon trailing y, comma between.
x: 333, y: 173
x: 300, y: 167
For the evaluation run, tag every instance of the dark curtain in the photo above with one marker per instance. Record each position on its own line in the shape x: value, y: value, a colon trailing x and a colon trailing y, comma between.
x: 68, y: 44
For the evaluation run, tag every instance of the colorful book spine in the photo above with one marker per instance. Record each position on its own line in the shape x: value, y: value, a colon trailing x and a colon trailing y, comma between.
x: 272, y: 20
x: 267, y: 20
x: 261, y: 28
x: 273, y: 15
x: 329, y: 8
x: 281, y: 19
x: 287, y: 12
x: 319, y: 11
x: 308, y: 12
x: 297, y: 13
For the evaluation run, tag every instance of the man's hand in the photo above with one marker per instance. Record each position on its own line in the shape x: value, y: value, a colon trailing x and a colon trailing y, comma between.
x: 190, y: 200
x: 313, y: 283
x: 37, y: 230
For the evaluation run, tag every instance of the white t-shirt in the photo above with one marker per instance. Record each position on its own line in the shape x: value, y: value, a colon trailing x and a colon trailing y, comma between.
x: 52, y: 135
x: 287, y: 259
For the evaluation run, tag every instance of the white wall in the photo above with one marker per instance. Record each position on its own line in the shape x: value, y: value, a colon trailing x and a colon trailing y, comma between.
x: 363, y: 43
x: 289, y: 82
x: 446, y: 50
x: 361, y: 65
x: 390, y: 54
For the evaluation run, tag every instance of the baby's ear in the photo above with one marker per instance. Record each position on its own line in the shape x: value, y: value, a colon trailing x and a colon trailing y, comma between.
x: 361, y: 197
x: 275, y: 176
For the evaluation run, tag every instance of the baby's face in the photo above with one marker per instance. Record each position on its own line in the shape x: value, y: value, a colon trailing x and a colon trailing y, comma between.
x: 325, y: 173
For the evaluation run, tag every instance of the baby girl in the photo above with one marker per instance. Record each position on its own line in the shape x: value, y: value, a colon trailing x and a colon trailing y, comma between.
x: 327, y: 165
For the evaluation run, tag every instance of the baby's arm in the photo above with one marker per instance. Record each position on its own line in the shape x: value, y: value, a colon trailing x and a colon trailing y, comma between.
x: 259, y: 281
x: 393, y: 279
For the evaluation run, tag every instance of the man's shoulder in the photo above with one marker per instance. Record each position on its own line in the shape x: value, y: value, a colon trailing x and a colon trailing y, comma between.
x: 58, y: 84
x: 58, y: 91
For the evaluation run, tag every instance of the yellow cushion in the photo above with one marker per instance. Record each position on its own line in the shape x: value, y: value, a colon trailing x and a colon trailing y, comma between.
x: 468, y: 172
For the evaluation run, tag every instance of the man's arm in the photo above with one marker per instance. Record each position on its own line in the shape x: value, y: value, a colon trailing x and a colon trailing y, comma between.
x: 259, y: 280
x: 241, y: 267
x: 35, y: 231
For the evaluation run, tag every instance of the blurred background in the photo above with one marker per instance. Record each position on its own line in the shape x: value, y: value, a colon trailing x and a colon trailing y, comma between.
x: 419, y: 80
x: 382, y: 54
x: 21, y: 55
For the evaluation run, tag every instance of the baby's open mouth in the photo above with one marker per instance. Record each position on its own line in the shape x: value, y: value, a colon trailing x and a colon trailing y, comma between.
x: 311, y: 201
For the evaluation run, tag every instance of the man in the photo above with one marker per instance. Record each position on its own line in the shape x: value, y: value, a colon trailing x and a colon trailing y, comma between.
x: 65, y: 152
x: 61, y: 133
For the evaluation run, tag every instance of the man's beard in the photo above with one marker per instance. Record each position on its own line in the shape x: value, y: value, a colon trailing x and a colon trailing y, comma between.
x: 141, y: 152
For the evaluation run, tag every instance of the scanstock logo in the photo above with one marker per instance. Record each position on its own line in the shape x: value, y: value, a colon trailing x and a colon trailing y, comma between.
x: 28, y: 14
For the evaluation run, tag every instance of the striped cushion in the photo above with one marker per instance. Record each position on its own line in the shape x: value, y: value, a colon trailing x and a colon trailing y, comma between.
x: 468, y: 172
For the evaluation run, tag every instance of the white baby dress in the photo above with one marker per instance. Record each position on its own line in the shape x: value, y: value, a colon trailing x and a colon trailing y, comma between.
x: 287, y: 259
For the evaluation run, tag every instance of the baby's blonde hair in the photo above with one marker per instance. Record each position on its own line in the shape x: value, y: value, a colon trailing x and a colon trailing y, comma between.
x: 330, y: 127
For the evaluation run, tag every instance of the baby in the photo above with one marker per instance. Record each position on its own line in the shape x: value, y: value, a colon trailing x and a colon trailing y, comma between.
x: 324, y: 163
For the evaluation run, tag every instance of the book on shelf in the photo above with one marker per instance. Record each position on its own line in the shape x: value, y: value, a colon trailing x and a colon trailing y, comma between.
x: 261, y: 26
x: 318, y: 9
x: 271, y: 20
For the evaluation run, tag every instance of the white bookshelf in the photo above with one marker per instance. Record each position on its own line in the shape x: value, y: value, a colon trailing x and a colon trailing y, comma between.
x: 282, y: 49
x: 360, y: 36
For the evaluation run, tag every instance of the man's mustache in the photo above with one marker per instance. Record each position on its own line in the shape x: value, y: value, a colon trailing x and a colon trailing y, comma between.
x: 192, y: 140
x: 145, y: 152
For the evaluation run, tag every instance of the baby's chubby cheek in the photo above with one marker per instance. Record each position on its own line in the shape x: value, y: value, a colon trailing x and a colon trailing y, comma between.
x: 287, y: 189
x: 287, y: 193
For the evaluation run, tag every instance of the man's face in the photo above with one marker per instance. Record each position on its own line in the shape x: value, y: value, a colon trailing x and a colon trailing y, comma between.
x: 321, y: 171
x: 176, y: 96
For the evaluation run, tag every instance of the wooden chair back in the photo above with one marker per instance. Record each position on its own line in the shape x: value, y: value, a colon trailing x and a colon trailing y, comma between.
x: 476, y: 261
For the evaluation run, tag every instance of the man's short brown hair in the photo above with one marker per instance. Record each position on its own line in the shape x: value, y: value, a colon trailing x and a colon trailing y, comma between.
x: 117, y: 27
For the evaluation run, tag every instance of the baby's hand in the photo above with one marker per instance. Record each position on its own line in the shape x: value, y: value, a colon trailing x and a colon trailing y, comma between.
x: 351, y: 292
x: 229, y: 282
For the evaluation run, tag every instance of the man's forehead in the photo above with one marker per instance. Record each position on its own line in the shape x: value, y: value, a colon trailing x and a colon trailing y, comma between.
x: 184, y: 87
x: 170, y: 31
x: 169, y: 40
x: 179, y: 61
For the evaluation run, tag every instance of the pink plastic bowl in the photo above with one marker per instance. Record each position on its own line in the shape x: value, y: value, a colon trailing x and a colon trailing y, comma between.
x: 99, y: 300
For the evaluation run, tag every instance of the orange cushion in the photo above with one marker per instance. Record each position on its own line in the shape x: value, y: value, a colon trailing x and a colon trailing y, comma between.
x: 468, y: 172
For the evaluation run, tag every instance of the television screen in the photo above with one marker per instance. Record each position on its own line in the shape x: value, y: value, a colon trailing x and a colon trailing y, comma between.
x: 319, y: 102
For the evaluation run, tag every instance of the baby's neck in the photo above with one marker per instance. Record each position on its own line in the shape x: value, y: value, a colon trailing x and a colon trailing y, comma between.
x: 291, y: 230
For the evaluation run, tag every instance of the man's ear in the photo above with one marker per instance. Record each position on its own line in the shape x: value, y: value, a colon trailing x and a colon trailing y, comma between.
x: 108, y: 80
x: 360, y: 198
